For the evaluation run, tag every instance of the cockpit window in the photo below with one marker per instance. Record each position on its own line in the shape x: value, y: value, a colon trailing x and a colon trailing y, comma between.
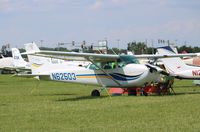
x: 121, y: 62
x: 127, y: 59
x: 94, y: 67
x: 103, y: 65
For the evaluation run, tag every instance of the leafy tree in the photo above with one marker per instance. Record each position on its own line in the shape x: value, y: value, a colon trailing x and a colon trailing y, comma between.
x: 46, y: 48
x: 21, y: 50
x: 137, y: 47
x: 196, y: 49
x: 188, y: 49
x: 185, y: 48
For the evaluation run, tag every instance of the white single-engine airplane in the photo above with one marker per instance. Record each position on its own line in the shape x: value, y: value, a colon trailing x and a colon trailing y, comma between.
x: 176, y: 67
x: 14, y: 63
x: 106, y: 70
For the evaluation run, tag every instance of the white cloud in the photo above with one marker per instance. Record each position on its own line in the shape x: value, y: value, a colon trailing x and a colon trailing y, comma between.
x: 11, y: 6
x: 187, y: 30
x: 183, y: 28
x: 120, y: 2
x: 5, y: 5
x: 97, y: 5
x: 31, y: 5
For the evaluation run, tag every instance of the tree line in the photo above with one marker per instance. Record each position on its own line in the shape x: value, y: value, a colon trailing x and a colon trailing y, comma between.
x: 135, y: 47
x: 142, y: 48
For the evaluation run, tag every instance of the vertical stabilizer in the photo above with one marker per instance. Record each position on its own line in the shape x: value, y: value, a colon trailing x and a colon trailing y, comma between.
x: 18, y: 61
x: 167, y: 50
x: 37, y: 62
x: 31, y: 47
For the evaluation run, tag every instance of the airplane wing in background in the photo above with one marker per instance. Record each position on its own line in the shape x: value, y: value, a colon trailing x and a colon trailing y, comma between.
x: 157, y: 56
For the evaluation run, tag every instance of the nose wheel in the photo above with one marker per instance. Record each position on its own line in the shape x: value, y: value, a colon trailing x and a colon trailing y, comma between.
x: 95, y: 93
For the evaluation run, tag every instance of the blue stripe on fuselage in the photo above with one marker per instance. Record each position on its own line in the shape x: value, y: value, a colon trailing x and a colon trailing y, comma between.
x: 117, y: 76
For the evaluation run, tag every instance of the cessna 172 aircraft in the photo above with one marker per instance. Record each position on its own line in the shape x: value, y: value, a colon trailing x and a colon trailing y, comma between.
x: 106, y: 70
x: 176, y: 67
x: 14, y: 63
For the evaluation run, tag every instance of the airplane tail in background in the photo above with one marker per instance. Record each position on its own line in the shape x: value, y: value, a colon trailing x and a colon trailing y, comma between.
x: 18, y: 60
x: 39, y: 64
x: 167, y: 50
x: 36, y: 62
x: 172, y: 65
x: 42, y: 65
x: 31, y: 47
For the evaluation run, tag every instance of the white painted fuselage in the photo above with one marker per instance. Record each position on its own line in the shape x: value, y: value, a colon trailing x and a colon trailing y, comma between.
x: 131, y: 75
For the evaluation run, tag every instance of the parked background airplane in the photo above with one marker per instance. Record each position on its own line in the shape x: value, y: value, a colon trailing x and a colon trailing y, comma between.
x: 176, y: 67
x: 15, y: 63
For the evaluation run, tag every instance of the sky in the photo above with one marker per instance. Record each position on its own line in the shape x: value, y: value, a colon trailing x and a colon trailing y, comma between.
x: 118, y: 21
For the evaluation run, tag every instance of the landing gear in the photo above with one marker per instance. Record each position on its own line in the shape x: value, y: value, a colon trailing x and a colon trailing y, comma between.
x: 95, y: 93
x: 144, y: 93
x: 132, y: 92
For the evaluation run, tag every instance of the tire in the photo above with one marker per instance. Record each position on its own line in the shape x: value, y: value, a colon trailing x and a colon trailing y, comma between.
x: 132, y: 92
x: 95, y: 93
x: 145, y: 93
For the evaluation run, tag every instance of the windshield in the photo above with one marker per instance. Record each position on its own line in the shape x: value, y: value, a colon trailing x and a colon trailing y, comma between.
x: 127, y: 59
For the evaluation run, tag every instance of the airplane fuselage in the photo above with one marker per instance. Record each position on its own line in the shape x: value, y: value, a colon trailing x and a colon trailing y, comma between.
x: 131, y: 75
x: 189, y: 74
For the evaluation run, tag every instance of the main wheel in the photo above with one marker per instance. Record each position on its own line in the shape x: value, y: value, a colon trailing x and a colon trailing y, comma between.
x: 95, y: 93
x: 132, y: 92
x: 145, y: 93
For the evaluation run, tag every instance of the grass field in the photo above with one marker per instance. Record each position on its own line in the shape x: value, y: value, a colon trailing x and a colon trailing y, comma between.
x: 66, y: 107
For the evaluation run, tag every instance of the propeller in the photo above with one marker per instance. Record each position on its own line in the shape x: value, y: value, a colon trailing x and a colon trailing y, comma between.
x: 153, y: 68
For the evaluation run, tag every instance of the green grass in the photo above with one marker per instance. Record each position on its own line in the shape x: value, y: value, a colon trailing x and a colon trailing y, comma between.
x: 55, y: 106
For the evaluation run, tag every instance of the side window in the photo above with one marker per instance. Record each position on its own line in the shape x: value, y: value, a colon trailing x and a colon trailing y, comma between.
x: 104, y: 65
x: 121, y: 63
x: 93, y: 67
x: 110, y: 65
x: 107, y: 66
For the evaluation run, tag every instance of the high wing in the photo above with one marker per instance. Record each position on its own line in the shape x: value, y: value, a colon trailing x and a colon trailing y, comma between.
x: 157, y: 56
x: 33, y: 49
x: 86, y: 56
x: 101, y: 57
